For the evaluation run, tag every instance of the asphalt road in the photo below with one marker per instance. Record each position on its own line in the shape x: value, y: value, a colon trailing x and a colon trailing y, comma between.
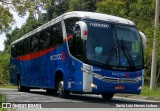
x: 74, y: 101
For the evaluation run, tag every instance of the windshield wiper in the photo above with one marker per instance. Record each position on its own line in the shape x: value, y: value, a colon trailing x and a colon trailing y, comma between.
x: 127, y: 53
x: 111, y: 53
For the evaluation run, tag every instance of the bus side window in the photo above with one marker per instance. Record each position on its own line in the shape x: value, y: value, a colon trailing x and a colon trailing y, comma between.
x: 71, y: 43
x: 26, y: 46
x: 56, y: 37
x: 75, y: 44
x: 44, y: 39
x: 34, y: 43
x: 19, y: 46
x: 13, y: 51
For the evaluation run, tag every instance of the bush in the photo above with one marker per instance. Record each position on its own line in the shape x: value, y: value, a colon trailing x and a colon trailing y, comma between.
x: 4, y: 68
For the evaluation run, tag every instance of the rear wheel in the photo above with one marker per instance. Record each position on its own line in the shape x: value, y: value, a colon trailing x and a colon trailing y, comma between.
x: 61, y: 90
x: 107, y: 96
x: 22, y: 88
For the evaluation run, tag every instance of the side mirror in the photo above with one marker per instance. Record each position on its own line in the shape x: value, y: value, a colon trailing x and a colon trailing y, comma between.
x: 144, y: 39
x: 83, y: 29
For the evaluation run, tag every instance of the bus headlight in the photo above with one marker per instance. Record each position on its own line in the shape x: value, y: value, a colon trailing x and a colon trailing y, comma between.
x: 93, y: 85
x: 140, y: 88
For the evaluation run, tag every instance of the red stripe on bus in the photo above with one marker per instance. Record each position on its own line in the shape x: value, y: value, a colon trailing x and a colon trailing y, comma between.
x: 69, y: 37
x: 35, y: 55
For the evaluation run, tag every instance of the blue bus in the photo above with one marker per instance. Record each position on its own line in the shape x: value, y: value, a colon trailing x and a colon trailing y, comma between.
x: 80, y: 52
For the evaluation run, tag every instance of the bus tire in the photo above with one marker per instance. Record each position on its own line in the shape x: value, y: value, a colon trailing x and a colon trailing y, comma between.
x: 61, y: 90
x: 22, y: 88
x: 107, y: 96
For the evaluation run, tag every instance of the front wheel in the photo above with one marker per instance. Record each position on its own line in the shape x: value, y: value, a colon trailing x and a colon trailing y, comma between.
x: 61, y: 90
x: 107, y: 96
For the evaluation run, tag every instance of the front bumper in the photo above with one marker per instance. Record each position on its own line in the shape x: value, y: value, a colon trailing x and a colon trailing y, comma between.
x: 103, y: 84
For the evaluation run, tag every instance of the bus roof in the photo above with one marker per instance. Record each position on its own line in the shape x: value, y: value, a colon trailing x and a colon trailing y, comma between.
x: 98, y: 16
x: 82, y: 14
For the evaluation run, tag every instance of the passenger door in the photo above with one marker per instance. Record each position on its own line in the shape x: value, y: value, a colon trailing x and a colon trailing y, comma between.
x: 76, y: 50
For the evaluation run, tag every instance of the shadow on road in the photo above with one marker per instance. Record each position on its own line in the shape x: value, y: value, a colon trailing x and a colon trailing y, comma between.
x: 86, y: 98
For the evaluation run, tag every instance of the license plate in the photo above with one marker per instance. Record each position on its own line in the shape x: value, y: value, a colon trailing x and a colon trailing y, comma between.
x: 119, y: 87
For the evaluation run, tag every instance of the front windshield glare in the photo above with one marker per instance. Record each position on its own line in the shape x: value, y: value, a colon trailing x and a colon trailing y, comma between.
x: 113, y: 45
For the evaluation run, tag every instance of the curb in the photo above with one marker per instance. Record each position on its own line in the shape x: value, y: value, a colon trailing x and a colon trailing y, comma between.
x: 138, y: 97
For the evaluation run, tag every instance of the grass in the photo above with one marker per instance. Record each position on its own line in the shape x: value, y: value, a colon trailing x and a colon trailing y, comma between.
x: 2, y: 99
x: 8, y: 86
x: 151, y: 93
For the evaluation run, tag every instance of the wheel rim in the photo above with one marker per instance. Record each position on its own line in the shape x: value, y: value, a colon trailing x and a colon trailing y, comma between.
x: 60, y: 88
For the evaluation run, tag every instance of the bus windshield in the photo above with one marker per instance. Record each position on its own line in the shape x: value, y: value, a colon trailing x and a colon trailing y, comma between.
x: 113, y: 45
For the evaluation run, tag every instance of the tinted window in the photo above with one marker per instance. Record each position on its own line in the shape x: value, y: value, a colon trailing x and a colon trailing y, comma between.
x: 113, y: 45
x: 19, y: 47
x: 13, y: 51
x: 56, y: 35
x: 34, y: 43
x: 26, y: 46
x: 75, y: 44
x: 44, y: 39
x: 78, y: 47
x: 129, y: 38
x: 100, y: 41
x: 70, y: 23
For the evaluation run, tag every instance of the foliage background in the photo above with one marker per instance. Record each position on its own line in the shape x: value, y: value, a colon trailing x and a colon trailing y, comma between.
x: 142, y: 12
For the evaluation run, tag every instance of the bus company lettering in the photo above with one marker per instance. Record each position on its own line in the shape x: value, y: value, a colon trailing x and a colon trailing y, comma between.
x: 118, y: 74
x: 56, y: 57
x: 99, y: 25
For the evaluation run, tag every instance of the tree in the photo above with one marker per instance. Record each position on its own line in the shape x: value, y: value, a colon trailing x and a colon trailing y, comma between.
x: 139, y: 11
x: 34, y: 7
x: 82, y: 5
x: 55, y: 10
x: 30, y: 24
x: 4, y: 69
x: 111, y: 7
x: 6, y: 19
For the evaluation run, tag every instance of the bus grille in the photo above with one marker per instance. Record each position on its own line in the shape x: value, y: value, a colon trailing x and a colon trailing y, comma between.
x: 115, y: 80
